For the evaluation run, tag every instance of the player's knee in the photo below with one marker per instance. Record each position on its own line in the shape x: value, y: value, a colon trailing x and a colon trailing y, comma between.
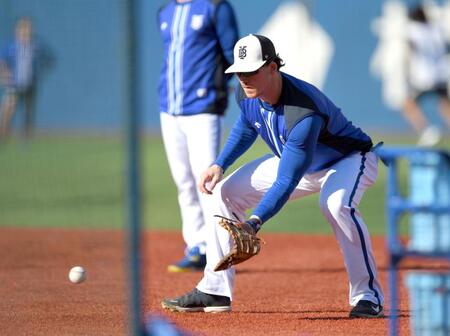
x: 226, y: 190
x: 217, y: 194
x: 227, y: 196
x: 334, y: 206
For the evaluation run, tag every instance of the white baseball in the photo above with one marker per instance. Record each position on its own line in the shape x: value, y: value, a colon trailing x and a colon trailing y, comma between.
x: 77, y: 274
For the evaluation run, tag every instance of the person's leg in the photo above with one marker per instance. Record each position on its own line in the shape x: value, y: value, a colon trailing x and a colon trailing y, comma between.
x: 7, y: 110
x: 176, y: 147
x: 342, y: 190
x: 240, y: 191
x: 444, y: 110
x: 231, y: 198
x: 414, y: 115
x: 429, y: 135
x: 203, y: 135
x: 29, y: 120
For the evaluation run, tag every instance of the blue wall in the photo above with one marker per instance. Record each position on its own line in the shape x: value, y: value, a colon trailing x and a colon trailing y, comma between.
x: 86, y: 86
x: 348, y: 83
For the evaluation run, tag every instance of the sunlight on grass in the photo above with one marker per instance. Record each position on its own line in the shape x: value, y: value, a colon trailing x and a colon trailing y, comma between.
x: 79, y: 181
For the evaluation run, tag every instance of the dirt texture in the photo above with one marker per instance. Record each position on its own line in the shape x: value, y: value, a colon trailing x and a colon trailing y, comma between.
x: 296, y: 286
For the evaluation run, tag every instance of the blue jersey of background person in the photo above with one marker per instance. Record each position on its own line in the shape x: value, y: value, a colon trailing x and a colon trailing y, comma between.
x: 31, y: 54
x: 198, y: 46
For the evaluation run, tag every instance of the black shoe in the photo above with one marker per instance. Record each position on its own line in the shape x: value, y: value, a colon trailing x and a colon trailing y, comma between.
x: 197, y: 301
x: 367, y: 309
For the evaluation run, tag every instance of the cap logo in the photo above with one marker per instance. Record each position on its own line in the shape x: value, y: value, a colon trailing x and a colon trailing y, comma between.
x: 242, y: 52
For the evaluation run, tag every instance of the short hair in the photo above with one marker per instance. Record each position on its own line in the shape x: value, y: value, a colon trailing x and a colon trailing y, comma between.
x: 418, y: 14
x: 278, y: 61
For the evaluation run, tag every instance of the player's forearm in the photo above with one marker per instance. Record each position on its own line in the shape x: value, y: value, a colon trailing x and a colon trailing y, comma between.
x: 296, y: 158
x: 239, y: 141
x: 292, y: 167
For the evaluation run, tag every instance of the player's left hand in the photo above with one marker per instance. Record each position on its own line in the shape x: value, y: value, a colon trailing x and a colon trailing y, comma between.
x: 245, y: 243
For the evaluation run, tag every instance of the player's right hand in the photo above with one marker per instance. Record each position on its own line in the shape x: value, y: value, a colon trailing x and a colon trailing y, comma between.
x: 209, y: 178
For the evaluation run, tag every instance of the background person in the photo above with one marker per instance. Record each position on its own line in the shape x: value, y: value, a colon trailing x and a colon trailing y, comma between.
x: 198, y: 38
x: 428, y: 72
x: 20, y: 62
x: 315, y: 149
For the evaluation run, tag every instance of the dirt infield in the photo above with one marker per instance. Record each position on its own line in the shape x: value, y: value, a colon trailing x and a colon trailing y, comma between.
x: 297, y: 286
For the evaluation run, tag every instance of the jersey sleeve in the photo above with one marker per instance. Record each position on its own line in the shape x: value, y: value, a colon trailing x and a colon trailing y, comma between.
x: 227, y: 30
x: 241, y: 137
x: 296, y: 158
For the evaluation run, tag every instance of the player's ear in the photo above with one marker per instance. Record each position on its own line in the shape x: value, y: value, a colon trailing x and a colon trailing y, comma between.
x: 273, y: 66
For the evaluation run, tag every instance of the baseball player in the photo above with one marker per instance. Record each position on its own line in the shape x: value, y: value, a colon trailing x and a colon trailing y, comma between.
x: 428, y: 73
x: 315, y: 149
x: 198, y: 38
x: 20, y: 62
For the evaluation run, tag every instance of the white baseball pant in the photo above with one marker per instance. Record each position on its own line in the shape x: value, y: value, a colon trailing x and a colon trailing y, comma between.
x: 341, y: 188
x: 192, y: 143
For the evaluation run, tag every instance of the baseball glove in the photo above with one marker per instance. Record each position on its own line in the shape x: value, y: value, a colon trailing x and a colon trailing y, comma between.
x: 245, y: 243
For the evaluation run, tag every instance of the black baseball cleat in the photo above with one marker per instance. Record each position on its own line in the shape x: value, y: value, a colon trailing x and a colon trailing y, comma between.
x: 197, y: 301
x: 366, y: 309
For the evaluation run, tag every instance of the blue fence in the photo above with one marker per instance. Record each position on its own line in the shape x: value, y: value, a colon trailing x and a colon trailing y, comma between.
x: 427, y: 201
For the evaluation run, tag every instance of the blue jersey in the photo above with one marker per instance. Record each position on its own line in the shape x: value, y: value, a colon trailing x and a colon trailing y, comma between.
x: 198, y: 40
x: 299, y: 99
x: 305, y: 129
x: 21, y: 59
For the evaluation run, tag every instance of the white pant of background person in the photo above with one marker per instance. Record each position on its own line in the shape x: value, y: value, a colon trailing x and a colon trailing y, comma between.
x: 344, y: 181
x: 192, y: 144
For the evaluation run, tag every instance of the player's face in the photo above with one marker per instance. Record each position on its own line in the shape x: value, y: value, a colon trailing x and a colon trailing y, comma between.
x: 23, y: 30
x: 257, y: 83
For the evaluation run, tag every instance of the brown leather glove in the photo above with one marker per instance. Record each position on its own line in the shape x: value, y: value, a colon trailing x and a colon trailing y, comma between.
x: 245, y: 243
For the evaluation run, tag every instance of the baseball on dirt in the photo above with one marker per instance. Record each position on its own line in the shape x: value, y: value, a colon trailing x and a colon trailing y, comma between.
x: 77, y: 274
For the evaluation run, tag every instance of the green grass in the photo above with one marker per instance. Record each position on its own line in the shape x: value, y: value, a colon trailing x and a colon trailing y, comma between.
x: 80, y: 181
x: 62, y: 181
